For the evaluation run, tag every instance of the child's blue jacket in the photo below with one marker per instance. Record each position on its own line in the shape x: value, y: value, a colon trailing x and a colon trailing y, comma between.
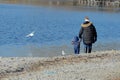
x: 76, y: 41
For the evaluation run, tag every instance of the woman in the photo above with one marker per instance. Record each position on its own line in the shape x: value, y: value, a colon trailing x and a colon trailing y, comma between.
x: 88, y: 34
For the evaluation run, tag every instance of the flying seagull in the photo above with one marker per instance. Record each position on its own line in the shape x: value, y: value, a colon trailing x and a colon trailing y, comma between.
x: 31, y: 34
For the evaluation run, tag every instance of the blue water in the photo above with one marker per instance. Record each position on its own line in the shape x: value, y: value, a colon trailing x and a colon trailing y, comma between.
x: 54, y: 29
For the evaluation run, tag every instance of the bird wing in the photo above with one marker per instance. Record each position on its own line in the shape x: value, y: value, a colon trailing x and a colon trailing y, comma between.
x: 31, y: 34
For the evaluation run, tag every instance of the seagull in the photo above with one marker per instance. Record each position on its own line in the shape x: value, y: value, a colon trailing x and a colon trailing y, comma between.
x: 31, y: 34
x: 63, y: 52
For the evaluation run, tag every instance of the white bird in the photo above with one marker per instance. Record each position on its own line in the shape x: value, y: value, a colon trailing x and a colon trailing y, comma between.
x: 63, y: 52
x: 31, y: 34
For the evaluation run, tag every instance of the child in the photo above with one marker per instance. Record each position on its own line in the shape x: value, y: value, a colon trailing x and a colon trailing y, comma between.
x: 76, y: 43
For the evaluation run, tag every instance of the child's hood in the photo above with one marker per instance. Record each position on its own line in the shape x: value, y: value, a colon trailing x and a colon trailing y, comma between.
x: 76, y: 38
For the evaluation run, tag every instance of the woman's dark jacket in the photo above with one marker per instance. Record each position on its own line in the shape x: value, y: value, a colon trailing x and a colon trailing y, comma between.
x: 88, y: 33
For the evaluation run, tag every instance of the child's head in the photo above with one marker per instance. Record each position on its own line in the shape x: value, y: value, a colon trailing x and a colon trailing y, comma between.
x: 76, y: 38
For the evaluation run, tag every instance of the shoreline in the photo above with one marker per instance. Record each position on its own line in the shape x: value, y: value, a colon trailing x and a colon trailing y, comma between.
x: 33, y: 50
x: 107, y: 62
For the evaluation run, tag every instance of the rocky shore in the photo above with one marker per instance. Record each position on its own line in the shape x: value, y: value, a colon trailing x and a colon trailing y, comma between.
x: 104, y: 65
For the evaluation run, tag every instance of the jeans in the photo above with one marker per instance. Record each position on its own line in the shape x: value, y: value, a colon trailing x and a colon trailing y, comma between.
x: 88, y: 48
x: 76, y: 49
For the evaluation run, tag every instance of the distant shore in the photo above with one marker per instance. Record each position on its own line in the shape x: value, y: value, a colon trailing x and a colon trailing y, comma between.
x: 103, y: 65
x: 90, y: 3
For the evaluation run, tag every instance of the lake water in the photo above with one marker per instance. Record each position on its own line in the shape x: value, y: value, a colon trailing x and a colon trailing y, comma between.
x: 54, y: 29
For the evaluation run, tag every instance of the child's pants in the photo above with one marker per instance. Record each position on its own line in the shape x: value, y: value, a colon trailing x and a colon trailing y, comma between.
x: 76, y: 49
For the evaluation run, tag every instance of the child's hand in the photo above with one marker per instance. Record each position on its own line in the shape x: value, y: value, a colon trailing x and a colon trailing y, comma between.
x: 72, y: 42
x: 80, y: 40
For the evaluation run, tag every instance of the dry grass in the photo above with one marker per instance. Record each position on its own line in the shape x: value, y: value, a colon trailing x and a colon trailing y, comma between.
x: 31, y: 65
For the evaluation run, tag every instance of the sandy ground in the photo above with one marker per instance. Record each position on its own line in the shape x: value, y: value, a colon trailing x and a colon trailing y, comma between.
x: 95, y: 66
